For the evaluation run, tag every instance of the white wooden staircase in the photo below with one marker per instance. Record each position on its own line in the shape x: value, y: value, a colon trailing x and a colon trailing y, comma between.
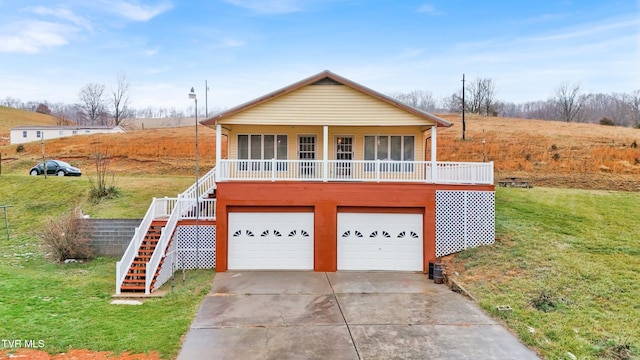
x: 152, y: 242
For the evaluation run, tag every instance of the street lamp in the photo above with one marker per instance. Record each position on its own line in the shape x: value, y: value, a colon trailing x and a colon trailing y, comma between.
x: 192, y: 95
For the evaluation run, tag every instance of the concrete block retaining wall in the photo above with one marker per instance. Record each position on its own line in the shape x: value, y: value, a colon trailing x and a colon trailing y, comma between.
x: 110, y: 237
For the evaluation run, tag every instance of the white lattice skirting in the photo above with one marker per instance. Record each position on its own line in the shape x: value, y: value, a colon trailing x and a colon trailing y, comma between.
x: 464, y: 219
x: 196, y: 248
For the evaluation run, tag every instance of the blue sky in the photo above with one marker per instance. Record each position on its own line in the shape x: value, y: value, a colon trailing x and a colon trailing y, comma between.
x: 246, y: 48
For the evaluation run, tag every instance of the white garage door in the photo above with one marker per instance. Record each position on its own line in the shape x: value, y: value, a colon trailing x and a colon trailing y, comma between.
x: 270, y: 241
x: 380, y: 242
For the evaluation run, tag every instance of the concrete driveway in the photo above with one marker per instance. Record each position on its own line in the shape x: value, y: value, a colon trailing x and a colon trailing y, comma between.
x: 343, y: 315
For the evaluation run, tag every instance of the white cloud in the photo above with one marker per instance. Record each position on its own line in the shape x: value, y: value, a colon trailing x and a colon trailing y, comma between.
x: 32, y: 36
x: 228, y: 43
x: 268, y: 6
x: 60, y: 13
x: 137, y: 12
x: 150, y: 52
x: 430, y: 9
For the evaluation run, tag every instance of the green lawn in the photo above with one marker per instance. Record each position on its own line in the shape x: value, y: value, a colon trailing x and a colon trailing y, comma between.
x: 68, y: 306
x: 568, y: 263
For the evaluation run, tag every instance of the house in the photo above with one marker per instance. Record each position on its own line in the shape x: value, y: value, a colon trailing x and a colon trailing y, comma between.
x: 322, y: 175
x: 25, y: 134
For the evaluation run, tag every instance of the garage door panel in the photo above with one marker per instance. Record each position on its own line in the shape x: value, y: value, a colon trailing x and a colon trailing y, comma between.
x: 378, y: 241
x: 270, y: 241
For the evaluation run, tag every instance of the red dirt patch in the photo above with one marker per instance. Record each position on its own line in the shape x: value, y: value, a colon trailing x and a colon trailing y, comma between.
x: 32, y: 354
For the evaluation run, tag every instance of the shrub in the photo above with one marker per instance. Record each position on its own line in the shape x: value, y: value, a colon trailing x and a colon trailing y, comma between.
x: 20, y: 148
x: 99, y: 187
x: 65, y: 238
x: 556, y: 156
x: 606, y: 121
x: 634, y: 144
x: 546, y: 301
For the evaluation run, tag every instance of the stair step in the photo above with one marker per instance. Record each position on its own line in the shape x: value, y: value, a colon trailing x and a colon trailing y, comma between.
x: 132, y: 272
x: 135, y: 281
x: 131, y: 288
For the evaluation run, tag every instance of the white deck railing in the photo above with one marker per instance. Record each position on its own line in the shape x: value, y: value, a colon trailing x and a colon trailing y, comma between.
x: 357, y: 170
x: 185, y: 206
x: 205, y: 184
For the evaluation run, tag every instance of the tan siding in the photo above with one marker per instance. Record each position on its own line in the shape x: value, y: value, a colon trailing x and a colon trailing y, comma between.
x: 326, y: 105
x: 358, y: 133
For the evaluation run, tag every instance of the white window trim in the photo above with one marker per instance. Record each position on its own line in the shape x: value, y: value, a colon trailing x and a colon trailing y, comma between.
x: 275, y: 146
x: 389, y: 145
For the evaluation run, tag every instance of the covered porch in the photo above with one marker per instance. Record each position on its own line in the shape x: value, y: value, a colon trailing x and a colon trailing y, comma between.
x: 335, y: 153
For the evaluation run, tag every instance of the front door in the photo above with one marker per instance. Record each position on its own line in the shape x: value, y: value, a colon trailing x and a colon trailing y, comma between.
x: 306, y: 152
x: 344, y: 155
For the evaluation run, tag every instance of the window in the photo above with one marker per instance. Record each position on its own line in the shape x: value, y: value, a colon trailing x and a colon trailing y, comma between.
x: 262, y: 147
x: 74, y: 132
x: 61, y: 132
x: 38, y: 134
x: 389, y: 148
x: 24, y: 133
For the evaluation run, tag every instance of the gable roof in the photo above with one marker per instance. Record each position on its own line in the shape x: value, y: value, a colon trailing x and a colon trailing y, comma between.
x: 327, y: 77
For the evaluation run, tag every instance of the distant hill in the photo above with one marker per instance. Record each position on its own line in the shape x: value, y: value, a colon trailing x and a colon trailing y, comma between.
x: 547, y: 153
x: 10, y: 118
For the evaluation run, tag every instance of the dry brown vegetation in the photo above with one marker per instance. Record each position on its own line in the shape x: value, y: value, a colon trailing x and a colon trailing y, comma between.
x: 163, y: 151
x: 547, y: 153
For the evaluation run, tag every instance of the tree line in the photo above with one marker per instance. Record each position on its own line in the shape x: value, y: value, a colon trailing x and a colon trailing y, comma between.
x: 99, y: 106
x: 567, y: 104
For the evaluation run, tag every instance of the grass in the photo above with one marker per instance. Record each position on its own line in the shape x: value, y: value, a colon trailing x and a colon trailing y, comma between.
x: 567, y: 262
x: 68, y: 306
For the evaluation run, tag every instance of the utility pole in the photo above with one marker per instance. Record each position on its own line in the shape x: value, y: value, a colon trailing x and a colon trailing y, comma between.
x: 206, y: 100
x: 44, y: 163
x: 464, y: 124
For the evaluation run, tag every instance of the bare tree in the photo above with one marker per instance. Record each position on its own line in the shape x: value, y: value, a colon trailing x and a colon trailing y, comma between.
x: 92, y: 103
x: 568, y: 102
x: 633, y: 103
x: 120, y: 101
x: 419, y: 99
x: 453, y: 103
x: 99, y: 188
x: 480, y: 97
x: 43, y: 109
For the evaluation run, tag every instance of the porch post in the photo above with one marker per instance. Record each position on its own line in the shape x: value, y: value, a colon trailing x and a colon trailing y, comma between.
x: 325, y: 153
x: 218, y: 150
x: 434, y: 172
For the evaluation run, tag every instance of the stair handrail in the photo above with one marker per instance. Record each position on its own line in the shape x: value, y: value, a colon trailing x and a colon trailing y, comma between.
x: 204, y: 184
x: 161, y: 246
x: 123, y: 266
x: 188, y: 198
